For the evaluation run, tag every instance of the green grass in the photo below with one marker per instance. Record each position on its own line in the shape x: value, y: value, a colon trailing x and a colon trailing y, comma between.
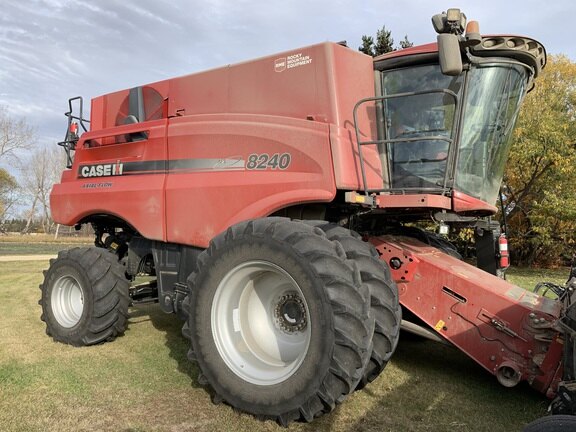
x: 527, y: 278
x: 39, y: 245
x: 143, y: 381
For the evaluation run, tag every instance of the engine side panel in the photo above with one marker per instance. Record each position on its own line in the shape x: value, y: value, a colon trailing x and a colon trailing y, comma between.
x: 225, y: 145
x: 211, y: 172
x: 225, y: 169
x: 125, y: 180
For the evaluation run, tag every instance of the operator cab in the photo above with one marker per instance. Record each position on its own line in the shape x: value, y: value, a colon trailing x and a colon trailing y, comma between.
x: 421, y: 125
x: 446, y: 130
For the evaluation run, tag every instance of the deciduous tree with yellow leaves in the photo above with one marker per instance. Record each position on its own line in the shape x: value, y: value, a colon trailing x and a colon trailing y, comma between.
x: 540, y: 180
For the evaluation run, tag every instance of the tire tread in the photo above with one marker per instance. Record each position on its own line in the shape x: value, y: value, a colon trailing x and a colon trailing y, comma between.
x: 109, y: 288
x: 384, y: 301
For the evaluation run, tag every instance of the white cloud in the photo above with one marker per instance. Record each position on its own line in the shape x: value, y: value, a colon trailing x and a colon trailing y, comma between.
x: 51, y: 50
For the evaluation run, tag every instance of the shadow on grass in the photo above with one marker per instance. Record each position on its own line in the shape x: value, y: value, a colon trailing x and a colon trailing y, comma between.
x: 446, y: 391
x: 178, y: 345
x: 427, y: 387
x: 171, y: 326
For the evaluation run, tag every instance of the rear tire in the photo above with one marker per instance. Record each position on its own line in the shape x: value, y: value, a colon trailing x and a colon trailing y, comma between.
x: 279, y: 322
x: 85, y: 297
x: 376, y: 276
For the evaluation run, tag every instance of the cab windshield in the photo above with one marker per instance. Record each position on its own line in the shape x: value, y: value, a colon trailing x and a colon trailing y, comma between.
x: 420, y: 109
x: 422, y: 125
x: 493, y: 100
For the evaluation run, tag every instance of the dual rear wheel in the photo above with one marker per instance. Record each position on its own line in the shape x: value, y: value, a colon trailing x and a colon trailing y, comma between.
x: 287, y: 318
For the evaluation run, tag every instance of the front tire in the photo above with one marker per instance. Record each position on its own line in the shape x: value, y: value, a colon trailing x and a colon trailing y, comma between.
x: 85, y: 297
x: 384, y: 302
x: 279, y: 322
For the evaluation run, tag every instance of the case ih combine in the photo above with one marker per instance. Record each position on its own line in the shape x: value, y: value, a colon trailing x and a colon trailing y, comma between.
x: 274, y: 201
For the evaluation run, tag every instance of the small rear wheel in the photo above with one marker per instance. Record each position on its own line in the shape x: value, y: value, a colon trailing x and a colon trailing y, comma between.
x: 85, y: 297
x: 279, y: 322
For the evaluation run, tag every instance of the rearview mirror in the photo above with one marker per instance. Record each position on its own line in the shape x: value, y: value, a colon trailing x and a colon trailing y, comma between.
x: 449, y: 54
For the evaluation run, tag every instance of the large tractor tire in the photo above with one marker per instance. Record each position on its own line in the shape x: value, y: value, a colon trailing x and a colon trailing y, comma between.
x: 279, y: 321
x: 554, y: 423
x: 385, y: 306
x: 85, y: 297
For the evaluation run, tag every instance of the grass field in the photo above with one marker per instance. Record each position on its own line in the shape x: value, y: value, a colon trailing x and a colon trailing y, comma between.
x: 144, y: 382
x: 38, y: 244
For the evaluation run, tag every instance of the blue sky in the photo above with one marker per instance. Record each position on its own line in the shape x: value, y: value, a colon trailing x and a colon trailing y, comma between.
x: 51, y: 50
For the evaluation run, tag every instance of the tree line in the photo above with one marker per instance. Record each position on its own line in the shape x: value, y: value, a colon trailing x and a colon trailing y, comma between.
x: 383, y: 43
x: 26, y: 195
x: 539, y: 192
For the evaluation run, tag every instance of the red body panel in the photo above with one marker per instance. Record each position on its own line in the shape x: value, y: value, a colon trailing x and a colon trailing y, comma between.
x: 415, y: 50
x: 137, y: 199
x: 185, y: 186
x: 414, y: 201
x: 462, y: 203
x: 203, y: 203
x: 496, y: 323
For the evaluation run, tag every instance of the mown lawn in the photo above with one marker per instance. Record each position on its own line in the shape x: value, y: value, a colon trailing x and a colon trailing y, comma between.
x: 144, y: 382
x: 527, y: 278
x: 39, y: 244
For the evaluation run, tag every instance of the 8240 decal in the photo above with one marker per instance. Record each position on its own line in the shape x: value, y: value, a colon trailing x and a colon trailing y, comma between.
x: 265, y: 161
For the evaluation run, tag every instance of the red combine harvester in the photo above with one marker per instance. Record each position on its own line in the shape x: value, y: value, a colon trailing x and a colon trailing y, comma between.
x: 275, y: 201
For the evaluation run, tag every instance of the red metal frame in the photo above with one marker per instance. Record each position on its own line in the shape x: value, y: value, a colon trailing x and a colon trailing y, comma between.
x: 509, y: 331
x: 458, y: 202
x: 414, y: 201
x: 465, y: 204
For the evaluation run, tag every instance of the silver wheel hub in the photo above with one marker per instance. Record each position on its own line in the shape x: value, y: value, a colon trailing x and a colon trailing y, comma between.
x: 67, y: 301
x: 290, y: 313
x: 260, y: 323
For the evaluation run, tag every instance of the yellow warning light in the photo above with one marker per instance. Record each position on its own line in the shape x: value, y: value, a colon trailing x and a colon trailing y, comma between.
x: 473, y: 27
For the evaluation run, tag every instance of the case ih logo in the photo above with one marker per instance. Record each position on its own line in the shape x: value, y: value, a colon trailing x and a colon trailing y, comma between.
x: 101, y: 170
x: 280, y: 64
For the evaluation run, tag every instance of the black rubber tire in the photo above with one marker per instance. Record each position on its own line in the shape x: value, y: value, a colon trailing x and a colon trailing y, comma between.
x: 104, y: 289
x: 554, y: 423
x: 338, y: 304
x: 376, y: 276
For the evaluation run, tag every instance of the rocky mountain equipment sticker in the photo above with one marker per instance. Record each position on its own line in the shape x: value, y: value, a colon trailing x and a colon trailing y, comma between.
x: 291, y: 62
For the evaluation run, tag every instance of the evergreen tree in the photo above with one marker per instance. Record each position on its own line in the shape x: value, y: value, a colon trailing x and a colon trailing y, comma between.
x: 384, y: 42
x: 405, y: 43
x: 367, y: 45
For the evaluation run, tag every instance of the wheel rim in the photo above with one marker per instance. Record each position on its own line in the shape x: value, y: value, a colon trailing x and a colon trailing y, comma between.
x: 260, y: 323
x: 67, y: 301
